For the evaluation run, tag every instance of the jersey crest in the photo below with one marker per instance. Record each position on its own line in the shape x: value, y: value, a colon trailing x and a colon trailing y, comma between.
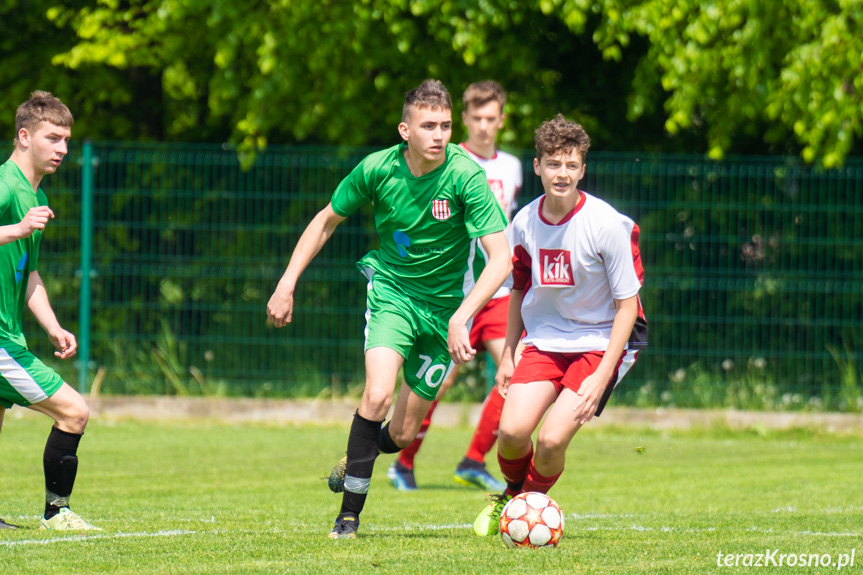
x: 440, y: 210
x: 556, y: 267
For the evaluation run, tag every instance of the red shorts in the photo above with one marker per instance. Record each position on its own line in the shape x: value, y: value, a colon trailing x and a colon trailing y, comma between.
x: 568, y: 370
x: 489, y: 322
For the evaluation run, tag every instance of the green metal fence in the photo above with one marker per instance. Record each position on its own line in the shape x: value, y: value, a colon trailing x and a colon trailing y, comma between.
x: 753, y: 291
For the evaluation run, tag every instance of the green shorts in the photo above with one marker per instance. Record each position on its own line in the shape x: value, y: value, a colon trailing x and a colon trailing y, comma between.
x: 24, y: 380
x: 414, y: 328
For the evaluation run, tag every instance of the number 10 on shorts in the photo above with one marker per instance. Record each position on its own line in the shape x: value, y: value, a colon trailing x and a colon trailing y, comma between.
x: 433, y: 374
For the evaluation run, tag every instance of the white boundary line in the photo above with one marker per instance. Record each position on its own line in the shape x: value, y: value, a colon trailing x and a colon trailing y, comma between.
x: 80, y: 538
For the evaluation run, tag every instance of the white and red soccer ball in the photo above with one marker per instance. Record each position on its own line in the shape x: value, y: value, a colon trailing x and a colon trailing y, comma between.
x: 532, y: 520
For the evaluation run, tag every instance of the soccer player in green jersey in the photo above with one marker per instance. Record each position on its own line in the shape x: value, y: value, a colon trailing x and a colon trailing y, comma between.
x: 43, y: 126
x: 432, y: 203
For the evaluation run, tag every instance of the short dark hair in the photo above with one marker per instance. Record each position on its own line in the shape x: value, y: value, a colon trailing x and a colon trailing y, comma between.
x: 481, y: 93
x: 42, y: 107
x: 430, y: 94
x: 558, y: 135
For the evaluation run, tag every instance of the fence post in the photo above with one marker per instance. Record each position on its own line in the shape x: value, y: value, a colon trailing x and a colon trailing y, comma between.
x: 86, y: 267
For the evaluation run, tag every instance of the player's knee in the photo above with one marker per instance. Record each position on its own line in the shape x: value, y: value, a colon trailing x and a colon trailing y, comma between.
x: 510, y: 435
x: 74, y: 418
x: 550, y: 445
x: 377, y: 401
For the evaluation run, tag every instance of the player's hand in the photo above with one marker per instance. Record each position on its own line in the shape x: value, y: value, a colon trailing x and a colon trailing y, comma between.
x: 587, y: 397
x: 458, y: 343
x: 64, y: 342
x: 35, y: 219
x: 281, y: 306
x: 504, y: 375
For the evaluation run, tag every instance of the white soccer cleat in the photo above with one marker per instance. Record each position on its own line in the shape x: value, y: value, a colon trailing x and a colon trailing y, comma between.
x: 67, y: 520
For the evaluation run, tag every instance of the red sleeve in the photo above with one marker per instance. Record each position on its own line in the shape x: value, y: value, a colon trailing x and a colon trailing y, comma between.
x: 520, y: 268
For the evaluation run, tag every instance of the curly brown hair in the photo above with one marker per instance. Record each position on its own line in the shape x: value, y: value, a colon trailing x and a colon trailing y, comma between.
x: 42, y: 107
x: 558, y: 135
x: 430, y: 94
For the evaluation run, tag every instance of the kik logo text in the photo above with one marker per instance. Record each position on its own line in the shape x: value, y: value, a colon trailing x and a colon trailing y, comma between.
x: 556, y: 267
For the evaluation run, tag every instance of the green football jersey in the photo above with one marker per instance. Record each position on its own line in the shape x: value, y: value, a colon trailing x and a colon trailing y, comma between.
x: 18, y: 258
x: 428, y: 226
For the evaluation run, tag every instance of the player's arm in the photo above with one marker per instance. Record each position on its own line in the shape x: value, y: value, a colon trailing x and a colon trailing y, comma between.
x: 316, y: 234
x: 594, y: 385
x: 35, y: 219
x: 514, y: 329
x: 492, y: 277
x: 38, y: 304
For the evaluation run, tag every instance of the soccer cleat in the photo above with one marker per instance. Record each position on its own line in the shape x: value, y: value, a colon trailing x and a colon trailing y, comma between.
x: 4, y: 525
x: 345, y: 527
x: 67, y: 520
x: 401, y: 477
x: 336, y: 482
x: 474, y: 474
x: 488, y: 520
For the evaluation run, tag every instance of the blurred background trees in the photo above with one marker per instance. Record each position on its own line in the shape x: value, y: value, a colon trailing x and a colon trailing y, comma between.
x: 717, y: 77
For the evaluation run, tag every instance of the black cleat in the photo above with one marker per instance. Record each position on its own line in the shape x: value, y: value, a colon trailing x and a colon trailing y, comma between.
x: 4, y: 525
x: 345, y: 527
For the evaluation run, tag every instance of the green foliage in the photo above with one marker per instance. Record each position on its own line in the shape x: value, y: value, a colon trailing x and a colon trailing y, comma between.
x: 724, y: 76
x: 781, y: 69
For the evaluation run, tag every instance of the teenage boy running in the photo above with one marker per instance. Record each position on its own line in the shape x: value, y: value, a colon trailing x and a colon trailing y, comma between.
x: 576, y: 276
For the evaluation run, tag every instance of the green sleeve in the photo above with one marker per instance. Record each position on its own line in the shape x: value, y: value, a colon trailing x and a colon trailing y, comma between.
x: 483, y: 215
x: 353, y: 191
x: 5, y: 198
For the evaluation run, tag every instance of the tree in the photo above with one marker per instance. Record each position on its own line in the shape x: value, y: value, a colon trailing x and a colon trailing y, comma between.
x: 718, y: 76
x: 786, y: 69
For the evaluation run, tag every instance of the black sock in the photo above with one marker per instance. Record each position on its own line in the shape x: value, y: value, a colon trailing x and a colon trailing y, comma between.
x: 362, y: 452
x: 61, y: 466
x: 468, y: 463
x: 385, y: 441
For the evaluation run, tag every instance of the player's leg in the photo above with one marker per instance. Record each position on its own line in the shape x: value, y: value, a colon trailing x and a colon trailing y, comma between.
x: 408, y: 417
x: 472, y: 470
x: 26, y: 381
x: 552, y: 440
x: 382, y: 368
x: 560, y: 426
x: 60, y: 459
x: 401, y: 473
x: 524, y: 407
x: 3, y: 524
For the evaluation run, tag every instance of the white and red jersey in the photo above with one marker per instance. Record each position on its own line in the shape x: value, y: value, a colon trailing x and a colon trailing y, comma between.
x: 571, y: 273
x: 505, y: 177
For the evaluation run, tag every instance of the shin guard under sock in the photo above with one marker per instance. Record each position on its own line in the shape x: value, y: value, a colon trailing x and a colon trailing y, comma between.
x: 385, y: 441
x: 514, y: 471
x: 362, y: 452
x: 535, y: 481
x: 60, y: 464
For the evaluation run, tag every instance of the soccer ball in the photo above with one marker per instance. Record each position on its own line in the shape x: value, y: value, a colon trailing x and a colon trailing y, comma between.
x: 531, y: 520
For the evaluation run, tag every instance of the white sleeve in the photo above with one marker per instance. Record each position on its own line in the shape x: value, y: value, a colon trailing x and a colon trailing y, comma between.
x: 617, y: 254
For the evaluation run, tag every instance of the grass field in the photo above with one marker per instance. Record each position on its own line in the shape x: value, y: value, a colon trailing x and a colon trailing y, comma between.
x: 212, y: 498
